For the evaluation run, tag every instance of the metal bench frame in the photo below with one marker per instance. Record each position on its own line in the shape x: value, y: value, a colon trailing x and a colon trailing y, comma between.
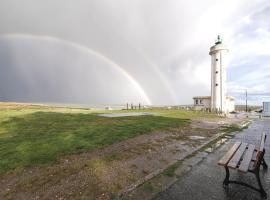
x: 256, y: 171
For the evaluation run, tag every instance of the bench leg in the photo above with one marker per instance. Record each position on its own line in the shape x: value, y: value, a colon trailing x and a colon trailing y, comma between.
x: 262, y: 191
x: 264, y: 164
x: 227, y: 178
x: 256, y: 172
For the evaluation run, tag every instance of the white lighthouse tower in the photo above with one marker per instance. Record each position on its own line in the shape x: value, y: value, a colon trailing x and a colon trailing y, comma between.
x: 218, y: 102
x: 218, y: 76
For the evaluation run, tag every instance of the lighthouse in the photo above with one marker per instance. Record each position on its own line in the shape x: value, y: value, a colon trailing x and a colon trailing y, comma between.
x: 218, y: 102
x: 218, y: 54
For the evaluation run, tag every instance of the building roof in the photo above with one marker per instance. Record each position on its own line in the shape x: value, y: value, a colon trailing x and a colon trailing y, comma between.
x: 202, y: 97
x: 219, y: 40
x: 230, y: 97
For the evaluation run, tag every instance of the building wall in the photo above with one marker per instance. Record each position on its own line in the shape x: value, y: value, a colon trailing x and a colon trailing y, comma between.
x: 266, y: 108
x: 205, y: 103
x: 201, y: 104
x: 230, y: 105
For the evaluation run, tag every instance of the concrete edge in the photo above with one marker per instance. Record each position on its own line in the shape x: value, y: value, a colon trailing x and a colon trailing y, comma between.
x: 150, y: 176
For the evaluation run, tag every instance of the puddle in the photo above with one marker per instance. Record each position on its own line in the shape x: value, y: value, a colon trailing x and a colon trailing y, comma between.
x: 196, y: 137
x: 223, y: 140
x: 132, y: 114
x: 209, y: 150
x: 216, y: 145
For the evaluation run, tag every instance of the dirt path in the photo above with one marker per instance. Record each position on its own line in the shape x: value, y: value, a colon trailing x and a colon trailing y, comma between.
x: 103, y: 173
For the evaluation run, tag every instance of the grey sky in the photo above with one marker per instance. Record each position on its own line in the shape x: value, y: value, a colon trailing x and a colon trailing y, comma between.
x: 114, y: 51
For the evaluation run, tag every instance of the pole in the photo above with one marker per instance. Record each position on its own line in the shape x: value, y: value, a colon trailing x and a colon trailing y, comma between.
x: 246, y: 102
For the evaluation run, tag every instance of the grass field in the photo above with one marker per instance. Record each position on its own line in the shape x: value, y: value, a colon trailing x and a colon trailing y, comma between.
x: 30, y: 136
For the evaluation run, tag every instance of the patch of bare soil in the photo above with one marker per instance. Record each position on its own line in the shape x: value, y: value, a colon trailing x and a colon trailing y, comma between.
x: 214, y: 123
x: 17, y: 106
x: 101, y: 174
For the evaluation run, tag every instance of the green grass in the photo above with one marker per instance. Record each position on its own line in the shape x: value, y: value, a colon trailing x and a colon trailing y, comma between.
x: 30, y: 137
x: 170, y: 171
x: 233, y: 128
x: 148, y: 186
x: 182, y: 114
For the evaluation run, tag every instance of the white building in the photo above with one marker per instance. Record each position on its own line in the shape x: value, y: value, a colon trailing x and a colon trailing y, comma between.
x: 202, y: 102
x: 218, y: 101
x: 266, y: 108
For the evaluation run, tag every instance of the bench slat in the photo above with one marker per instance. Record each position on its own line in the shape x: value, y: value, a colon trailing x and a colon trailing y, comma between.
x: 237, y: 156
x: 262, y: 142
x: 247, y: 158
x: 254, y: 155
x: 226, y: 158
x: 251, y: 166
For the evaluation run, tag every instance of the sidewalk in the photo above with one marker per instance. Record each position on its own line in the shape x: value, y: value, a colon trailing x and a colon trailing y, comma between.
x: 204, y: 181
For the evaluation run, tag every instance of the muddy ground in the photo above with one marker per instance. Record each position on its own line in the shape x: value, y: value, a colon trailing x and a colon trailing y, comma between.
x: 101, y: 174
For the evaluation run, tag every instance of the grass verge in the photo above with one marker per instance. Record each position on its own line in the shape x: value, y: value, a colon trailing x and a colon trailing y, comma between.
x: 30, y: 137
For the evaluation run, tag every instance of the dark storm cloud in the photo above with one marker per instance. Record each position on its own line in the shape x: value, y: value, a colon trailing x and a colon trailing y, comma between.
x: 162, y: 45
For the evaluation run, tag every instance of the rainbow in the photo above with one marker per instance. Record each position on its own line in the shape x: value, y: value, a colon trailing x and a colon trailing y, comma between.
x: 86, y: 50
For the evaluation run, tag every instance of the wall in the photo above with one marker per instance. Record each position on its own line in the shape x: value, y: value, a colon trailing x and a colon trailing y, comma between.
x: 230, y: 105
x: 266, y: 108
x: 205, y: 103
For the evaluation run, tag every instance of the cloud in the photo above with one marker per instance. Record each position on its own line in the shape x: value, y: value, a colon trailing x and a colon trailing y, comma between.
x: 40, y: 77
x: 163, y: 45
x: 249, y: 68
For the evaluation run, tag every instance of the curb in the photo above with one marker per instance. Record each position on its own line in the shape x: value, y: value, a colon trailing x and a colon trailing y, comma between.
x: 159, y: 171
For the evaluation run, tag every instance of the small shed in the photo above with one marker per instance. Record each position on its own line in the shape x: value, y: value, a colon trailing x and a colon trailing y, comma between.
x: 202, y: 102
x: 230, y: 104
x: 266, y: 109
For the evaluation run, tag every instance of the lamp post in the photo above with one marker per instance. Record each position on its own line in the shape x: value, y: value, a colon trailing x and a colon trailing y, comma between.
x: 246, y: 102
x: 239, y: 91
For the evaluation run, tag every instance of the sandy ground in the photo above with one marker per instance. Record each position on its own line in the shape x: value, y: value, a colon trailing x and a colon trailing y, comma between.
x: 101, y: 174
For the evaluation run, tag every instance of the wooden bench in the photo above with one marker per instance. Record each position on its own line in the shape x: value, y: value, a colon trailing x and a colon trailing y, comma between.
x: 245, y: 157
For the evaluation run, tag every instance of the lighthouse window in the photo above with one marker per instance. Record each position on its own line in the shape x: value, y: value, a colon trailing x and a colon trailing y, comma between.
x: 216, y: 59
x: 216, y: 72
x: 216, y: 84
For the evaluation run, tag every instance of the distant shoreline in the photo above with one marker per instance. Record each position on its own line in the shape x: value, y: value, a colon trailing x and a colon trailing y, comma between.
x: 63, y: 105
x: 43, y: 105
x: 101, y: 106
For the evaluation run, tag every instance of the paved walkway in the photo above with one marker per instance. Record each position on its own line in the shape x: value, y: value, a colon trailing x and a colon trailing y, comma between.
x: 204, y: 182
